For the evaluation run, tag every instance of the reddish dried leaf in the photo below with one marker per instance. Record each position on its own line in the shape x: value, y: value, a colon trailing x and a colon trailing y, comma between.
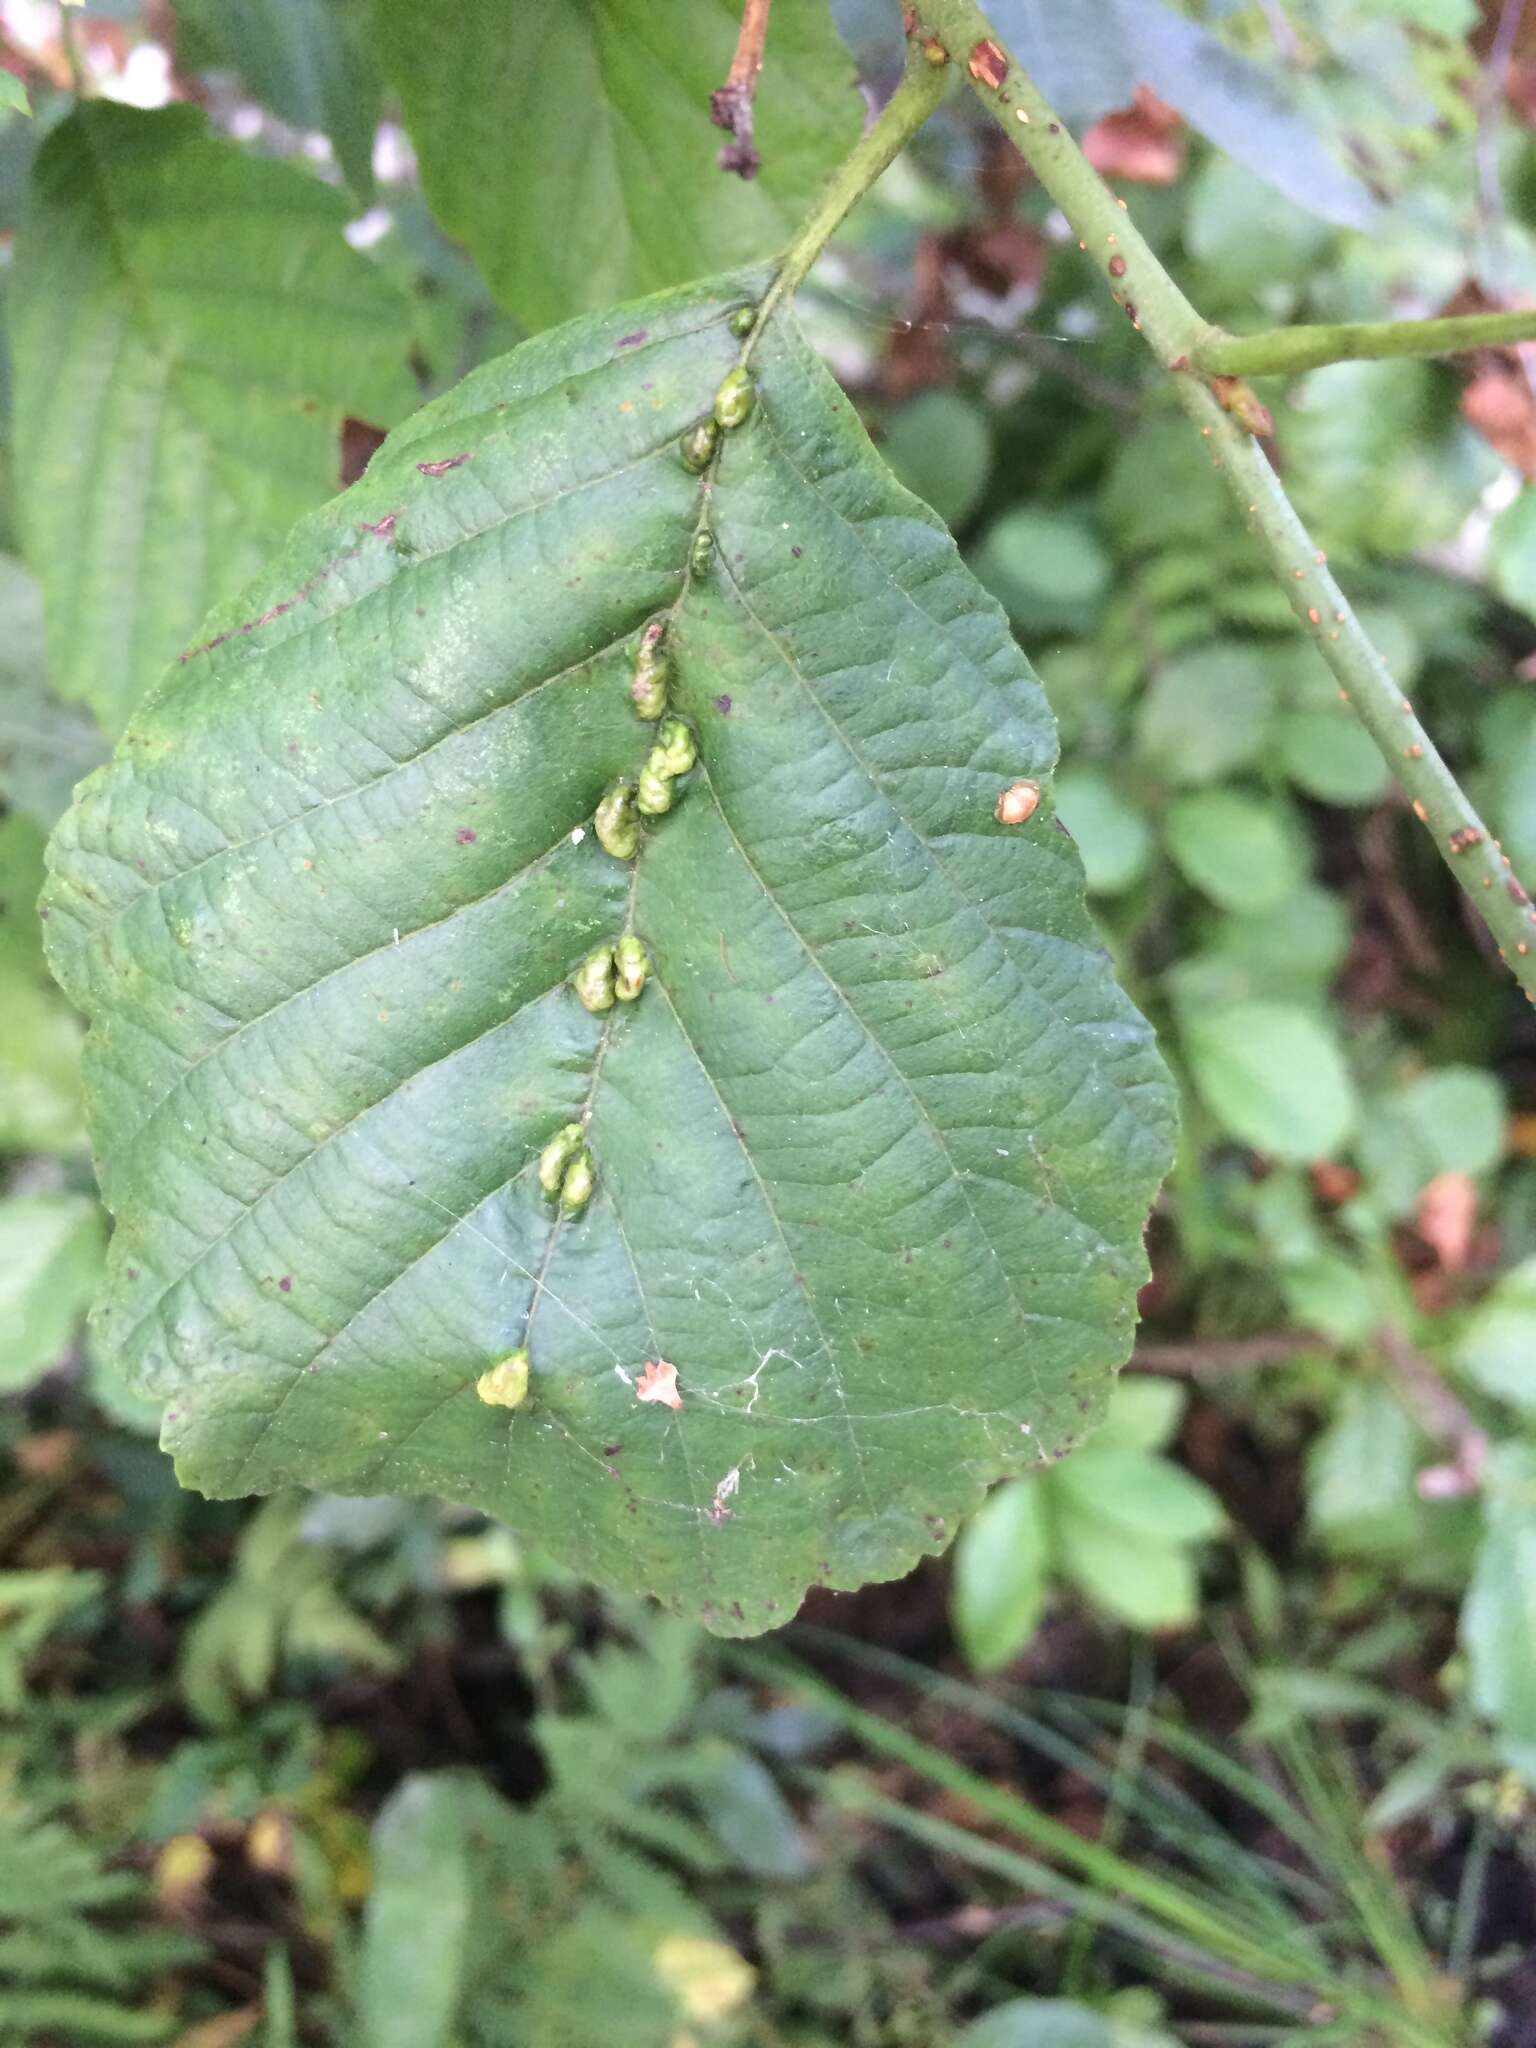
x: 1143, y: 143
x: 1501, y: 404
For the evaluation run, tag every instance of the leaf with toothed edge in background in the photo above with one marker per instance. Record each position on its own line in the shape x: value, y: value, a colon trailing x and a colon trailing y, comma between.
x: 870, y: 1144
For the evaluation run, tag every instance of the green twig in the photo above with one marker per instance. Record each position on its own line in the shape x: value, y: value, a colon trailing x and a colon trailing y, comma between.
x: 923, y: 84
x: 1283, y: 351
x: 1180, y: 339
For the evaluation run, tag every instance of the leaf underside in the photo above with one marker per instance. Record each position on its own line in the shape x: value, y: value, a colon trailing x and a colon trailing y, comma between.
x: 874, y: 1147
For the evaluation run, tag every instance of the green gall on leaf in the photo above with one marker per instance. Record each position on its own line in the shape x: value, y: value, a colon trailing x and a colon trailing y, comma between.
x: 557, y: 1156
x: 653, y: 797
x: 633, y: 965
x: 676, y: 747
x: 576, y: 1188
x: 648, y: 681
x: 702, y: 552
x: 614, y: 821
x: 697, y: 447
x: 593, y: 981
x: 735, y: 399
x: 742, y: 321
x: 505, y: 1385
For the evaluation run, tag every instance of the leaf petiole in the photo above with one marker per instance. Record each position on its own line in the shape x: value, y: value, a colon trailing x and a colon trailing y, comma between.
x: 924, y: 83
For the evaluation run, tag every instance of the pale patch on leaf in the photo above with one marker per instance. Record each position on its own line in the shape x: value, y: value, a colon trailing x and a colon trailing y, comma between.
x: 659, y: 1383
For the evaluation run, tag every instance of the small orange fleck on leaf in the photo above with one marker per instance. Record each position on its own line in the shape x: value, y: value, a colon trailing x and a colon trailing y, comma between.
x: 1018, y: 803
x: 987, y: 65
x: 658, y: 1382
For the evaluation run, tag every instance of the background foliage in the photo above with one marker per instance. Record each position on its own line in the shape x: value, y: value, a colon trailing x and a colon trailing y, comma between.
x: 1255, y: 1755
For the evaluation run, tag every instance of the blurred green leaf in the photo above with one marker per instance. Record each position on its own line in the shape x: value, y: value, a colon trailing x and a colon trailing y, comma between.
x: 1146, y: 1496
x: 1331, y: 756
x: 51, y: 1252
x: 1045, y: 567
x: 1498, y: 1346
x: 1207, y: 712
x: 40, y: 1038
x: 1146, y: 1584
x: 190, y: 332
x: 309, y: 60
x: 1450, y: 1120
x: 940, y: 446
x: 1329, y: 1293
x: 1273, y: 1075
x: 1498, y: 1616
x: 1243, y: 852
x: 45, y: 746
x: 411, y: 1965
x: 1253, y: 241
x: 1002, y: 1574
x: 1039, y: 2023
x: 1378, y: 458
x: 1360, y: 1474
x: 1143, y: 1413
x: 1111, y: 834
x: 1298, y: 944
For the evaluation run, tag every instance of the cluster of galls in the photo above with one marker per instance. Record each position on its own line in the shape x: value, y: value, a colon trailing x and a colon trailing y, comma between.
x: 617, y: 973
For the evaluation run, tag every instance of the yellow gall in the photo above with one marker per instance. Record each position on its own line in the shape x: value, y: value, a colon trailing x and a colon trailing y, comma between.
x: 505, y: 1384
x: 1017, y: 804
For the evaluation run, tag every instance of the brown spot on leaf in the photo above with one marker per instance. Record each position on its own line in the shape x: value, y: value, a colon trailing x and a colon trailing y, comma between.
x: 631, y: 340
x: 442, y: 468
x: 464, y: 836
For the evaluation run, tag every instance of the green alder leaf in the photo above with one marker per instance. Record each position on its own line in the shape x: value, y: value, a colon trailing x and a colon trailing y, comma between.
x: 595, y: 116
x: 190, y: 330
x: 873, y: 1148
